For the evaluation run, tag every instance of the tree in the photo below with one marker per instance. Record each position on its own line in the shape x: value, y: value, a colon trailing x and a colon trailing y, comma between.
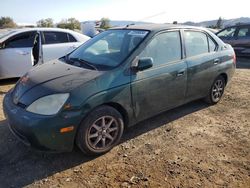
x: 48, y: 22
x: 7, y: 22
x: 70, y: 23
x: 219, y: 23
x: 105, y: 23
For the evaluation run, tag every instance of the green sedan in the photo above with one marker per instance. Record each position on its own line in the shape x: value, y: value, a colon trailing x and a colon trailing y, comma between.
x: 115, y: 80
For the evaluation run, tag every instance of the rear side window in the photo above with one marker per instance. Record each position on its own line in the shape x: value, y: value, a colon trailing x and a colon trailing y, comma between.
x: 196, y: 43
x: 164, y: 48
x: 23, y: 40
x: 51, y: 37
x: 244, y: 32
x: 212, y: 45
x: 71, y: 38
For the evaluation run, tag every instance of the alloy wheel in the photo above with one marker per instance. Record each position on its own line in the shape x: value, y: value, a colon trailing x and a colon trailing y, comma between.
x: 103, y: 133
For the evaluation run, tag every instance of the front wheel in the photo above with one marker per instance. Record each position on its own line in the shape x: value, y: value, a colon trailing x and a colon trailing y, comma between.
x: 216, y: 91
x: 100, y: 131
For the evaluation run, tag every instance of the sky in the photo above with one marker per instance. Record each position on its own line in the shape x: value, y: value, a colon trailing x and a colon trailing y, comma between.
x: 158, y: 11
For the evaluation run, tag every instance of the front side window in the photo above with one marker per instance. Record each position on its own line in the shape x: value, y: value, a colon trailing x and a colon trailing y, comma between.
x: 51, y: 37
x: 196, y: 43
x: 108, y: 49
x: 164, y: 48
x: 227, y: 33
x: 24, y: 40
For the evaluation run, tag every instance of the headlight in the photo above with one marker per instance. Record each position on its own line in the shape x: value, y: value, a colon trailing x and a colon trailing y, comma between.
x: 48, y: 105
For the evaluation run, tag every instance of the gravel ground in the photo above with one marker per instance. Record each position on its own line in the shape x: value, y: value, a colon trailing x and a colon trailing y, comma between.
x: 191, y: 146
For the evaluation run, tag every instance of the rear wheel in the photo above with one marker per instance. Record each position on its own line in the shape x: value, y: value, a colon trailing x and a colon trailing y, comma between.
x: 216, y: 91
x: 100, y: 131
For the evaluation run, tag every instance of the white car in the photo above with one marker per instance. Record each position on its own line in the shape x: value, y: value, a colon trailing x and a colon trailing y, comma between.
x: 20, y: 49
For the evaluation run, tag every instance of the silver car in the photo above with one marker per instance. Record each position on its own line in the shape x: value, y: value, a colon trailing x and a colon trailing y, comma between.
x: 21, y: 49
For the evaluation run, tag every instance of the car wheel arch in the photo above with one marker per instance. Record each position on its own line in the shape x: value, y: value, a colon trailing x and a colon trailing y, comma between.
x: 114, y: 105
x: 121, y: 110
x: 224, y: 75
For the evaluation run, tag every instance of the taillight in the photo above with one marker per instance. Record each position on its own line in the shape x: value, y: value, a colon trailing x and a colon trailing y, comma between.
x: 234, y: 58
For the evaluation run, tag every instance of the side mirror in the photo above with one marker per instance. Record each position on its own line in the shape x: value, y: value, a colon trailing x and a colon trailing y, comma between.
x: 144, y: 63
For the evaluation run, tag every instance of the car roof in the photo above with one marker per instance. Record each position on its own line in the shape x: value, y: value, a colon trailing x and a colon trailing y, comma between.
x: 159, y: 27
x: 238, y: 25
x: 21, y: 30
x: 40, y: 29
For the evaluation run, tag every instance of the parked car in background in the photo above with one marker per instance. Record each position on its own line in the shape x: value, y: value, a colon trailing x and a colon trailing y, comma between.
x: 115, y: 80
x: 20, y: 49
x: 239, y: 37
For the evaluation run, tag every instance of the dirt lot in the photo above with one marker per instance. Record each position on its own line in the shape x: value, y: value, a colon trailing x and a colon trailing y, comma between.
x: 192, y: 146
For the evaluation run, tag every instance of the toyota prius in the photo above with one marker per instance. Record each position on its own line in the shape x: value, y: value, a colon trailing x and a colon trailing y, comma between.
x: 115, y: 80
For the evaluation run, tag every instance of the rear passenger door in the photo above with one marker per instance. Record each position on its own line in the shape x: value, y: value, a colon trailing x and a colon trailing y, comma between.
x: 242, y: 42
x: 57, y: 44
x: 162, y: 86
x: 202, y: 61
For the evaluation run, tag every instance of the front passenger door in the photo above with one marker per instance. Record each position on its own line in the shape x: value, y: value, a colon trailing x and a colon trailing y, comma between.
x: 16, y: 57
x: 164, y: 85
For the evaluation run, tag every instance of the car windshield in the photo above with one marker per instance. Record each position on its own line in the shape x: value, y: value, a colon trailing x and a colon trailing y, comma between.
x: 6, y: 33
x: 107, y: 50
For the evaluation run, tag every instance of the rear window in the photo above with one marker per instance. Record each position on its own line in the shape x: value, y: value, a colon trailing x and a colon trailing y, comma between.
x: 51, y: 37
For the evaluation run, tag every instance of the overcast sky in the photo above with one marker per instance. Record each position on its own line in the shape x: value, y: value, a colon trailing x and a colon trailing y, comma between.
x: 159, y: 11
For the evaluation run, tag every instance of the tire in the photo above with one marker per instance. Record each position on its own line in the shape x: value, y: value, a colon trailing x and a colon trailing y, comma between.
x: 100, y: 131
x: 216, y: 91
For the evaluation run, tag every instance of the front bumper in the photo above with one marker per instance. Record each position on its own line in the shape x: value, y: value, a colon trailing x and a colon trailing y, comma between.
x: 40, y: 131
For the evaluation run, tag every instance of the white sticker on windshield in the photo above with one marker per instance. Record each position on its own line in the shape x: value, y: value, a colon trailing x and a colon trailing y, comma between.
x: 138, y: 33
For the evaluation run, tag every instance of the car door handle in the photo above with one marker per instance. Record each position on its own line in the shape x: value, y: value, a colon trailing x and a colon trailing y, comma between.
x: 74, y: 46
x: 23, y: 53
x: 181, y: 73
x: 216, y: 61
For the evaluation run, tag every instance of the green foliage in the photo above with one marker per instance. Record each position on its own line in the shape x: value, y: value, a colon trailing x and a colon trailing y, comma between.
x: 70, y: 23
x: 212, y: 27
x: 48, y: 22
x: 105, y: 23
x: 219, y: 23
x: 7, y: 22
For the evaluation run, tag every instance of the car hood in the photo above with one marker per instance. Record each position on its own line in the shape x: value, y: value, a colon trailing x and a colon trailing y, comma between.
x: 49, y: 78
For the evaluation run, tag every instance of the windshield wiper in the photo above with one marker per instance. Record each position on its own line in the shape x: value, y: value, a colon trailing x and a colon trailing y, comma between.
x: 84, y: 62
